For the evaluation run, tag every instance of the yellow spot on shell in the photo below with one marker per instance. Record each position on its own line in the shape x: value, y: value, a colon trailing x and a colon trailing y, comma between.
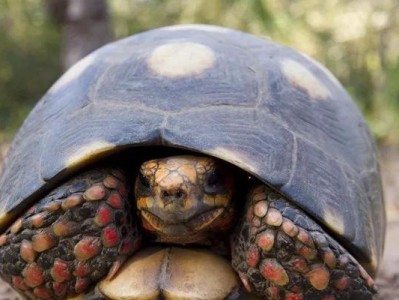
x: 302, y: 77
x: 335, y: 221
x: 177, y: 60
x: 324, y: 69
x: 87, y: 153
x: 5, y: 220
x: 236, y: 158
x: 208, y: 28
x: 74, y: 72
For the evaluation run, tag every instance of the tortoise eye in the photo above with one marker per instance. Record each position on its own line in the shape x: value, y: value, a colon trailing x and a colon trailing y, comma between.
x: 215, y: 183
x: 144, y: 181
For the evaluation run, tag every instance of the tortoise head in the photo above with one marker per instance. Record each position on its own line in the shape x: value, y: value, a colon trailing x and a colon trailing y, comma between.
x: 185, y: 199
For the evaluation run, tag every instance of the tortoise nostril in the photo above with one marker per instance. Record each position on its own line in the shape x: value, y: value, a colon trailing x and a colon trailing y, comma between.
x: 169, y: 196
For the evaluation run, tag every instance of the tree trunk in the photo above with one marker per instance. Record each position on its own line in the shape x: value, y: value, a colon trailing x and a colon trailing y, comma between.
x: 85, y: 26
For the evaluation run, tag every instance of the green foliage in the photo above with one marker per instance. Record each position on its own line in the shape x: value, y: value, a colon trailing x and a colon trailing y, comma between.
x: 356, y: 39
x: 29, y: 63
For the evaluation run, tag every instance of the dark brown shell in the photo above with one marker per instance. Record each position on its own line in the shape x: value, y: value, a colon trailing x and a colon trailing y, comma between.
x: 266, y: 108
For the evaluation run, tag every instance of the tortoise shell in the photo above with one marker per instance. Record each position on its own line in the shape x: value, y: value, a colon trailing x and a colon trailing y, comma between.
x: 263, y: 107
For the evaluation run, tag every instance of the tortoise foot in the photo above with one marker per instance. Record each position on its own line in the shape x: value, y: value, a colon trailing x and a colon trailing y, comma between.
x: 76, y: 235
x: 280, y: 253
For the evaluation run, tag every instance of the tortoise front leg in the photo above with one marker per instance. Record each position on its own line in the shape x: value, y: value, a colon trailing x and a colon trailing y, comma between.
x: 280, y: 253
x: 72, y: 238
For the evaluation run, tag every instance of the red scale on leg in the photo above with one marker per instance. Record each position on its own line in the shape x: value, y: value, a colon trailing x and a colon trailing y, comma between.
x: 342, y: 283
x: 60, y: 289
x: 27, y: 252
x: 94, y: 193
x: 17, y: 226
x: 273, y: 292
x: 3, y: 239
x: 43, y: 241
x: 309, y: 255
x: 110, y: 236
x: 293, y: 296
x: 43, y: 293
x: 87, y: 248
x: 60, y: 271
x: 63, y: 228
x: 299, y: 264
x: 82, y: 269
x: 33, y: 275
x: 305, y: 238
x: 305, y: 251
x: 127, y: 247
x: 52, y: 206
x: 111, y: 182
x: 37, y: 221
x: 265, y: 240
x: 274, y: 272
x: 81, y: 285
x: 71, y: 202
x: 19, y: 283
x: 103, y: 216
x: 253, y: 256
x: 318, y: 276
x: 57, y: 281
x: 329, y: 259
x: 115, y: 200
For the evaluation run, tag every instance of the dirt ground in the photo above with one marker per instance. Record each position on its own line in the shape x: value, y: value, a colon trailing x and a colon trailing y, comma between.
x: 388, y: 277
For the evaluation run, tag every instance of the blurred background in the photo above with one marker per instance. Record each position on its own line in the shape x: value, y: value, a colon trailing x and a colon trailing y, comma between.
x: 358, y: 40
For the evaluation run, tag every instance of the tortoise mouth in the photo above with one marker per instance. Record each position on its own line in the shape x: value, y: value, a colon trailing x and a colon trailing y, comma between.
x: 175, y: 227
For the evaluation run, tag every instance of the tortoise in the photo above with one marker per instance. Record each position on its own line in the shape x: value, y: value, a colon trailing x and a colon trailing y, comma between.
x: 193, y: 138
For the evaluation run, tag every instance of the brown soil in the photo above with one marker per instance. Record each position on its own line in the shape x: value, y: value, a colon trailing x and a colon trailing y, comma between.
x: 388, y: 276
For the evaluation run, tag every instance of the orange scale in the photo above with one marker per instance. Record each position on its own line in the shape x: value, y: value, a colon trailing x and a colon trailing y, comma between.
x: 27, y: 252
x: 82, y: 269
x: 33, y: 275
x: 60, y: 289
x: 299, y: 264
x: 115, y: 200
x: 60, y: 271
x: 43, y: 241
x: 110, y: 236
x: 19, y: 283
x: 43, y: 293
x: 342, y: 283
x: 273, y: 271
x: 94, y: 193
x: 253, y: 257
x: 3, y: 239
x: 103, y: 216
x: 81, y: 285
x: 87, y: 248
x: 293, y: 296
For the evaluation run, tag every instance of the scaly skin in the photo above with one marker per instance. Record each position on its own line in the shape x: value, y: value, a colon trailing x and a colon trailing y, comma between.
x: 72, y: 238
x: 185, y: 199
x: 86, y: 228
x: 280, y: 253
